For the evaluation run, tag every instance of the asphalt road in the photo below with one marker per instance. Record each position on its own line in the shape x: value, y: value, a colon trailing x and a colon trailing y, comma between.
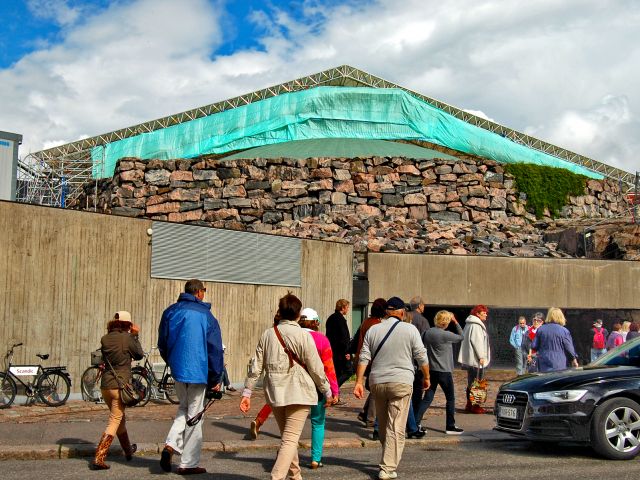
x: 474, y: 460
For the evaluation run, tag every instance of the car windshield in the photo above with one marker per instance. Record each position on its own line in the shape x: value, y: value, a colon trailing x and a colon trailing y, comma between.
x: 627, y: 354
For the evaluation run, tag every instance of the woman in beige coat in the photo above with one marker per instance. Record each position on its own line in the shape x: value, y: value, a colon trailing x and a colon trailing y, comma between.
x: 475, y: 351
x: 290, y: 380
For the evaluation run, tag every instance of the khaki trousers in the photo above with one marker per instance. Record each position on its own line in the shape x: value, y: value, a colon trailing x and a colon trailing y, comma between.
x: 290, y: 421
x: 392, y: 409
x: 117, y: 420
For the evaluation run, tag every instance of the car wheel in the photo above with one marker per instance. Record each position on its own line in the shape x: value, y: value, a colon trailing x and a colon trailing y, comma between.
x: 615, y: 429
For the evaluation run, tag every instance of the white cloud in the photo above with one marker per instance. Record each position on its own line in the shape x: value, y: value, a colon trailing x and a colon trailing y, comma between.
x: 564, y: 71
x: 57, y: 10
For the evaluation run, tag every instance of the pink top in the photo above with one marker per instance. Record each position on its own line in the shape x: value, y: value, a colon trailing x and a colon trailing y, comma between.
x: 326, y: 355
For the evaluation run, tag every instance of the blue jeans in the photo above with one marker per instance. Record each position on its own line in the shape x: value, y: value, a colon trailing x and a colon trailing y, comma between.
x: 412, y: 426
x: 317, y: 430
x: 597, y: 352
x: 445, y: 380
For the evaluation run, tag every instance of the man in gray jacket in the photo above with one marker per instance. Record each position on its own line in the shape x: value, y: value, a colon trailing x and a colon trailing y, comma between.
x: 391, y: 347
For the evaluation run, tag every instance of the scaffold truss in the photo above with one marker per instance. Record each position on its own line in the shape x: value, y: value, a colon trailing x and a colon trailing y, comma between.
x: 68, y: 167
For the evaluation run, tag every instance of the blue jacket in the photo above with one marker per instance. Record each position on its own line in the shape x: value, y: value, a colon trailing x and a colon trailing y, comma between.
x: 554, y: 345
x: 190, y: 341
x: 517, y: 334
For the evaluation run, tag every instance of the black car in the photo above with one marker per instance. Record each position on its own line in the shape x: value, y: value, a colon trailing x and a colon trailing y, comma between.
x: 598, y: 405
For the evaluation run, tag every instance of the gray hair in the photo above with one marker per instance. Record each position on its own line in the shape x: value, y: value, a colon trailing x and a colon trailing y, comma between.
x: 415, y: 302
x: 538, y: 316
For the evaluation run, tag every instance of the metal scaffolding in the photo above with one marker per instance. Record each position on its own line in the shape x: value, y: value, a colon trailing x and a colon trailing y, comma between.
x: 58, y: 174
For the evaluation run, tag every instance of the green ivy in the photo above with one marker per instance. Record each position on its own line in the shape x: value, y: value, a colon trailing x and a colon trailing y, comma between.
x: 546, y: 186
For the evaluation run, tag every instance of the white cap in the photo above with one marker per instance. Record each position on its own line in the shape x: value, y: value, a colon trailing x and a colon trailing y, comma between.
x: 310, y: 313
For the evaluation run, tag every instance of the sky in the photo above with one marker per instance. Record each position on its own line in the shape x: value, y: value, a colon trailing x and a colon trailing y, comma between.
x: 564, y: 71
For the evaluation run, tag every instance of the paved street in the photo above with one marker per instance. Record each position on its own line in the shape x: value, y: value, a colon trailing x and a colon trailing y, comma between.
x: 473, y: 460
x: 62, y: 440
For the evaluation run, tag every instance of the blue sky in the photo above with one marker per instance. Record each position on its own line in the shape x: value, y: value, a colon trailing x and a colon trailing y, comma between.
x: 563, y: 71
x: 27, y: 26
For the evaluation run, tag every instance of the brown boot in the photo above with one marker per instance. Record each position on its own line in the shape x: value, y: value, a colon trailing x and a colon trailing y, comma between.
x: 127, y: 448
x: 101, y: 453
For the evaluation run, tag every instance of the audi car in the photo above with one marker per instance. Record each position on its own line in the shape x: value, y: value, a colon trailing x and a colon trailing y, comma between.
x: 597, y: 405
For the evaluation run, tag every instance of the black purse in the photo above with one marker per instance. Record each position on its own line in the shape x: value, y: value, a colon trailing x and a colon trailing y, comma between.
x: 129, y: 396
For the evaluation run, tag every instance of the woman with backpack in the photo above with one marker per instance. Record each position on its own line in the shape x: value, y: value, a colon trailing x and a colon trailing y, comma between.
x: 598, y: 340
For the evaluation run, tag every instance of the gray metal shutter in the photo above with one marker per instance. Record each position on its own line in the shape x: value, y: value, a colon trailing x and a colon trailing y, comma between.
x: 181, y: 252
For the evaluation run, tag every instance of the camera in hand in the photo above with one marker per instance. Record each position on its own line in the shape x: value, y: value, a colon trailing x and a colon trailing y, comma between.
x: 212, y: 395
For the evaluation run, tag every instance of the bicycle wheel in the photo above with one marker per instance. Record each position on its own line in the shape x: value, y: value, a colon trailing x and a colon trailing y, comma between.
x: 90, y: 384
x: 169, y: 386
x: 141, y: 383
x: 8, y: 390
x: 54, y: 388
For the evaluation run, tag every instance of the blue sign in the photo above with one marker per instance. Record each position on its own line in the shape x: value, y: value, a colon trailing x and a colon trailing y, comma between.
x: 4, y: 143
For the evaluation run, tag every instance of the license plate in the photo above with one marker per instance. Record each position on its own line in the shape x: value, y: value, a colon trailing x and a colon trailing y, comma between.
x: 508, y: 412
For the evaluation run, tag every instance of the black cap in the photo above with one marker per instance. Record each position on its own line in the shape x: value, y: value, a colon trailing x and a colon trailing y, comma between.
x: 395, y: 303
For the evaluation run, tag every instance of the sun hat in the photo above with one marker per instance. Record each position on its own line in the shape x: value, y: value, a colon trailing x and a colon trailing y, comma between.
x: 310, y: 314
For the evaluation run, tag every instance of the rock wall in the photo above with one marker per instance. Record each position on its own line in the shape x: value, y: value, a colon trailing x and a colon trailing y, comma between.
x: 460, y: 206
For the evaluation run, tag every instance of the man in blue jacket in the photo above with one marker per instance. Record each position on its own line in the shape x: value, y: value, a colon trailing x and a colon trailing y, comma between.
x: 190, y: 341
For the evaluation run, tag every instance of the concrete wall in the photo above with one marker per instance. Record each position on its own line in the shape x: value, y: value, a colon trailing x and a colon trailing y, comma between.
x: 510, y: 287
x: 506, y: 282
x: 64, y: 273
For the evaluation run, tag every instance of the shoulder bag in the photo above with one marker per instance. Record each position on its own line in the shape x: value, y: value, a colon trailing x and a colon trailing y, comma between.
x: 478, y: 389
x: 129, y: 396
x: 368, y: 369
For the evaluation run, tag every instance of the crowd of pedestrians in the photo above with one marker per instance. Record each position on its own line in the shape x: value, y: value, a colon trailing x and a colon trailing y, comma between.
x: 547, y: 345
x: 399, y: 358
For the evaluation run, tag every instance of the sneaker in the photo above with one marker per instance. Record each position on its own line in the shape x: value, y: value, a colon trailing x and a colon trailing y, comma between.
x: 231, y: 389
x: 165, y: 458
x: 255, y: 429
x: 382, y: 475
x: 417, y: 434
x: 454, y: 431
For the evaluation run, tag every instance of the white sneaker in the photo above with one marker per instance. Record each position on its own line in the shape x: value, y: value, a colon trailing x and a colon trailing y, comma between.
x: 386, y: 476
x: 454, y: 431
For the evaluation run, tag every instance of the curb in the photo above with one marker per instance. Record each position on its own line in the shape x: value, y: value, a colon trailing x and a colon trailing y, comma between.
x: 83, y: 450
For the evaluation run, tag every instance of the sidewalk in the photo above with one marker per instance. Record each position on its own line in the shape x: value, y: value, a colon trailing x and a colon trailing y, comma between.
x: 40, y: 432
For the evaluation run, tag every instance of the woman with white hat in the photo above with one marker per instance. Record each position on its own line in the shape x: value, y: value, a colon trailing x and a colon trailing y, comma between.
x: 119, y: 346
x: 310, y: 321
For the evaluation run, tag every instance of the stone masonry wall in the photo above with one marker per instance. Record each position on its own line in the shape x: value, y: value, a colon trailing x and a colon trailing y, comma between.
x: 378, y: 204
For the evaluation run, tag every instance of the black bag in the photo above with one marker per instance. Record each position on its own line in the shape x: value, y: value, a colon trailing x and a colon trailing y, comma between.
x: 129, y: 396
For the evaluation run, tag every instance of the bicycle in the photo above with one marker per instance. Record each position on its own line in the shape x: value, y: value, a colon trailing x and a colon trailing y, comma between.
x: 163, y: 387
x: 143, y: 378
x: 52, y: 385
x: 92, y: 376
